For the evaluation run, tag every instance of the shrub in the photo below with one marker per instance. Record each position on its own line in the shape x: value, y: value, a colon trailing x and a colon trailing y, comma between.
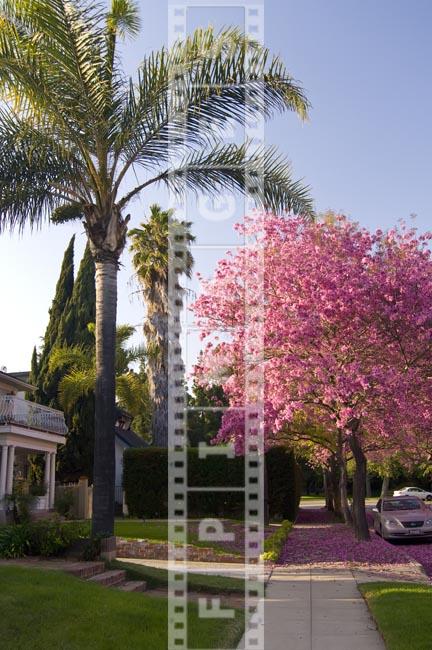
x: 64, y: 503
x: 20, y: 502
x: 92, y: 547
x: 284, y: 483
x: 46, y: 538
x: 14, y: 541
x: 38, y: 489
x: 273, y: 545
x: 145, y: 479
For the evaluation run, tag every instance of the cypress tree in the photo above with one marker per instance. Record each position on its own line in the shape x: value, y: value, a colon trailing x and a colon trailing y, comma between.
x: 47, y: 393
x: 73, y: 308
x: 76, y: 457
x: 81, y: 308
x: 34, y: 373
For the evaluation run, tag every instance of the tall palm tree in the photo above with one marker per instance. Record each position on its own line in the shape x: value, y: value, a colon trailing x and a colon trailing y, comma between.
x: 76, y: 133
x: 150, y: 258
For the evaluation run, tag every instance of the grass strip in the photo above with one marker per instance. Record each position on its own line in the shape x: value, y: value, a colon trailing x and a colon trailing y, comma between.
x: 196, y: 581
x: 403, y: 613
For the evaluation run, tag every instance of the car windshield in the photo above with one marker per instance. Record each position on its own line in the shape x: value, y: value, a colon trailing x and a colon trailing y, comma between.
x: 401, y: 504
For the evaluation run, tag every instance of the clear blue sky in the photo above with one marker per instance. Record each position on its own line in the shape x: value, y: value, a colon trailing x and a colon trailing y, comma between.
x: 366, y: 151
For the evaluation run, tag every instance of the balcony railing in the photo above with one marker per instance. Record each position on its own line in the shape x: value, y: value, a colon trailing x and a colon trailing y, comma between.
x: 23, y: 413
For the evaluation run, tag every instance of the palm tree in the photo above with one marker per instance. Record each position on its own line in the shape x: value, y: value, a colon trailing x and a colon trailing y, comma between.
x: 78, y: 365
x: 76, y: 133
x: 150, y: 259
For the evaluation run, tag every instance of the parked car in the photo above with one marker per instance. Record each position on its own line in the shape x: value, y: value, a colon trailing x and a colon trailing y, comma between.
x: 402, y: 517
x: 413, y: 492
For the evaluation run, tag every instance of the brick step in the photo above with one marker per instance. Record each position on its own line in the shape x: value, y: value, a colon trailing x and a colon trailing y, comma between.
x: 85, y: 570
x: 133, y: 585
x: 109, y: 578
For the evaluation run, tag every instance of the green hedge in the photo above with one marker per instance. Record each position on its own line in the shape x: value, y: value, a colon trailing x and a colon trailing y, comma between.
x: 274, y: 544
x: 145, y: 479
x: 284, y: 483
x: 46, y: 538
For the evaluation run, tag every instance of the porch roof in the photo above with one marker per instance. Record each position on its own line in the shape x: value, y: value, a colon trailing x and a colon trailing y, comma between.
x: 15, y: 382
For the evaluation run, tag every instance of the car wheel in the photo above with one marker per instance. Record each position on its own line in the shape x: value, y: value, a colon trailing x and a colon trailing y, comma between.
x: 428, y: 498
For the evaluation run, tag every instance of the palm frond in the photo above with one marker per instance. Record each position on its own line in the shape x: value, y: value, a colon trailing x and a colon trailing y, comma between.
x: 73, y: 356
x: 123, y: 18
x: 186, y: 95
x: 66, y: 39
x: 76, y: 384
x: 132, y: 393
x: 263, y: 173
x: 36, y: 173
x: 149, y: 246
x: 123, y: 333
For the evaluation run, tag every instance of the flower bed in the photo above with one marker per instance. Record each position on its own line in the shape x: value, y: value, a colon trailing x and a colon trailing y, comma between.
x: 317, y: 541
x: 142, y: 548
x: 201, y: 551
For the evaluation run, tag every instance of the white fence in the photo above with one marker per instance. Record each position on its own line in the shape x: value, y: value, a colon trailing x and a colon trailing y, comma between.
x: 82, y: 494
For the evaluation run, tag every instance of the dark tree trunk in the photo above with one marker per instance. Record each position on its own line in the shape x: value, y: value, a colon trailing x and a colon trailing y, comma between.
x: 329, y: 504
x: 368, y: 486
x: 104, y: 449
x: 334, y: 485
x: 361, y: 527
x: 343, y: 493
x: 385, y: 486
x: 345, y: 508
x: 266, y: 494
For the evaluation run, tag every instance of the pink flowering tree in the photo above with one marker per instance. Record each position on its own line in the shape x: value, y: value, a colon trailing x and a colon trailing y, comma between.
x: 347, y: 337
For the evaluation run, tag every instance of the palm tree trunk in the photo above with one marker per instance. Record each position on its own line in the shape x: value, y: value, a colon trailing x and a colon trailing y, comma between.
x: 104, y: 449
x: 158, y: 377
x: 160, y: 408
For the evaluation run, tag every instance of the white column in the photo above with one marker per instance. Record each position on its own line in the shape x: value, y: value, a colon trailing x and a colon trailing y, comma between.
x: 47, y: 474
x: 52, y: 481
x: 3, y: 472
x: 10, y: 470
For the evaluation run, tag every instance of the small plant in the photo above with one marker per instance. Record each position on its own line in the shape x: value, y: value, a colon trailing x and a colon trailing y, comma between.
x: 38, y: 489
x: 93, y: 547
x: 64, y: 503
x: 273, y: 545
x: 46, y: 538
x: 20, y: 502
x: 14, y: 541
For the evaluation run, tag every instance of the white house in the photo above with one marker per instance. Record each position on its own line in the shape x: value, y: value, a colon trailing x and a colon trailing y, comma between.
x: 125, y: 438
x: 26, y: 428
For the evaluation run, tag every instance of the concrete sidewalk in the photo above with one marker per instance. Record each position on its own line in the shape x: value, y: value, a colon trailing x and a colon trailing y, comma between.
x: 316, y: 609
x: 226, y: 569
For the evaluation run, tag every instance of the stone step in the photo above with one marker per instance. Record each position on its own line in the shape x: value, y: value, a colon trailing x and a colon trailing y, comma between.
x: 133, y: 585
x: 85, y: 570
x: 109, y: 578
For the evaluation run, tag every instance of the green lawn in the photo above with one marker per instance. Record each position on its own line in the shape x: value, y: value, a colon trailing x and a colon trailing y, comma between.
x: 158, y: 531
x: 138, y: 529
x: 403, y: 613
x: 196, y: 582
x: 48, y: 609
